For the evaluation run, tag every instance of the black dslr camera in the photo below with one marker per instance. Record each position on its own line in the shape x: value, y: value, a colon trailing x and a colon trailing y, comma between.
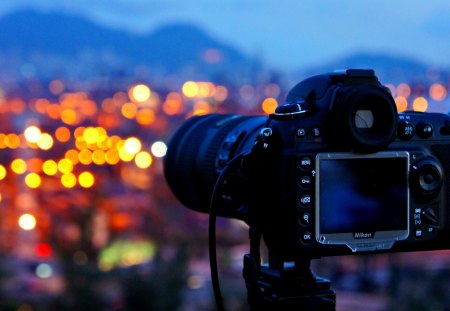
x: 335, y: 170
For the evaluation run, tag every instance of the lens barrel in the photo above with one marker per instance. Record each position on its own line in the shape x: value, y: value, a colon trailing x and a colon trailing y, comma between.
x: 191, y: 163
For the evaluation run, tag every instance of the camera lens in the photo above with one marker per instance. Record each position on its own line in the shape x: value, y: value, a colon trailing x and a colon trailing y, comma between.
x: 190, y: 166
x: 366, y: 118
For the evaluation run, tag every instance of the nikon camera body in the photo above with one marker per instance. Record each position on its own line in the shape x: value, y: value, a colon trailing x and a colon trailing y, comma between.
x: 335, y: 170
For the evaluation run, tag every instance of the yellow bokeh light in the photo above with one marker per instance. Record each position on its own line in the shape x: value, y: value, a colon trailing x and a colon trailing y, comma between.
x: 81, y: 143
x: 33, y: 180
x: 401, y: 103
x: 143, y: 159
x: 50, y: 167
x: 133, y: 145
x: 98, y: 157
x: 91, y: 135
x: 19, y: 166
x: 420, y: 104
x: 2, y: 172
x: 190, y: 89
x: 86, y: 180
x: 12, y: 141
x: 85, y: 156
x: 65, y: 166
x: 32, y: 134
x: 27, y: 222
x: 129, y: 110
x: 72, y: 155
x: 45, y: 142
x: 69, y: 116
x: 140, y: 93
x: 68, y: 180
x: 269, y: 105
x: 124, y: 155
x: 438, y: 92
x: 112, y: 157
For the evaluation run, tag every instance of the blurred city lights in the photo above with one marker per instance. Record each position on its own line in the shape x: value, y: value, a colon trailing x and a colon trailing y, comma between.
x: 44, y: 271
x: 43, y: 250
x: 19, y: 166
x: 2, y: 172
x: 143, y: 159
x: 402, y: 103
x: 159, y: 149
x: 190, y: 89
x: 68, y: 180
x: 269, y: 105
x: 32, y: 134
x: 50, y: 167
x: 403, y: 89
x: 86, y: 179
x: 45, y: 141
x: 27, y: 222
x: 438, y: 92
x: 133, y: 145
x: 33, y: 180
x: 140, y: 93
x: 420, y: 104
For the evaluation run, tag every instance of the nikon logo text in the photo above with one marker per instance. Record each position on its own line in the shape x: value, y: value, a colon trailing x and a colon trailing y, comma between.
x: 362, y: 235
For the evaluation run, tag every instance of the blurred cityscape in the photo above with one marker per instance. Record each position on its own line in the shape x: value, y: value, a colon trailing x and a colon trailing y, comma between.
x: 87, y: 221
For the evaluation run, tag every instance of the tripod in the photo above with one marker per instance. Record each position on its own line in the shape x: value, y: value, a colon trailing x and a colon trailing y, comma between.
x: 284, y: 286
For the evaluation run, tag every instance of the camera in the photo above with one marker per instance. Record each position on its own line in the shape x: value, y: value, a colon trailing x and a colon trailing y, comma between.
x: 334, y: 171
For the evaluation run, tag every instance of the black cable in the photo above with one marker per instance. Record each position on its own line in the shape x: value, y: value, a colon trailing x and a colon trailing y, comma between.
x: 212, y: 230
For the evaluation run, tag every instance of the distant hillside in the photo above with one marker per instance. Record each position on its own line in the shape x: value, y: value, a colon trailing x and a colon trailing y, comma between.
x: 389, y: 68
x: 65, y: 44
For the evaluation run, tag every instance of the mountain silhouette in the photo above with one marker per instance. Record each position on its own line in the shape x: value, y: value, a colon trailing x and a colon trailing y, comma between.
x: 59, y: 38
x: 388, y: 67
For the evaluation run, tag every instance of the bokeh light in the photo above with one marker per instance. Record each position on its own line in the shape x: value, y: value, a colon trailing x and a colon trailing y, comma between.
x: 420, y: 104
x: 140, y: 93
x: 19, y: 166
x: 2, y: 172
x: 143, y: 159
x: 68, y: 180
x: 133, y: 145
x: 269, y: 105
x: 50, y: 167
x: 86, y: 179
x: 33, y: 180
x: 159, y: 149
x: 27, y: 222
x: 32, y: 134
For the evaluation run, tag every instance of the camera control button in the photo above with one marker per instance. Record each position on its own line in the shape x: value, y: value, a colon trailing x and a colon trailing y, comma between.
x: 306, y: 237
x: 418, y: 233
x: 305, y: 181
x: 315, y: 132
x: 301, y: 132
x: 424, y: 130
x: 306, y: 219
x: 305, y: 200
x: 305, y: 163
x: 405, y: 130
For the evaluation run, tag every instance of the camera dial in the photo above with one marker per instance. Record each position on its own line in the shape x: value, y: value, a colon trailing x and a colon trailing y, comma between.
x: 426, y: 179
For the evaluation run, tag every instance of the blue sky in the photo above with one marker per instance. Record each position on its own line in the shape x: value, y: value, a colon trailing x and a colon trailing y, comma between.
x: 286, y: 34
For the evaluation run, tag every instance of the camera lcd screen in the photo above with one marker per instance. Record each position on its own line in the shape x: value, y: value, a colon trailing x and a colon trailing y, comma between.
x: 362, y: 197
